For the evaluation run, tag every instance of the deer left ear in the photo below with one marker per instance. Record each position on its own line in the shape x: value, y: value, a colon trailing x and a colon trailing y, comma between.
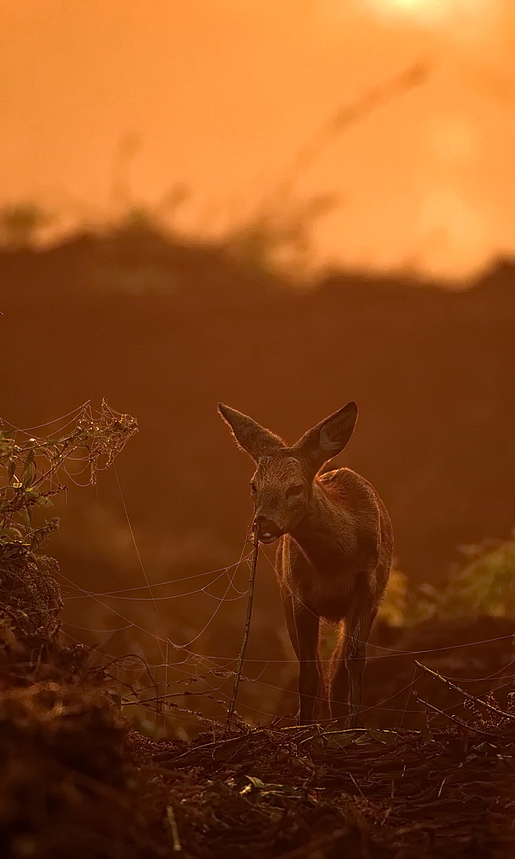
x: 328, y: 438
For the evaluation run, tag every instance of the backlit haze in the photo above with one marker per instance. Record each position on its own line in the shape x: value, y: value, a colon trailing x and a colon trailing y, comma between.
x: 218, y: 95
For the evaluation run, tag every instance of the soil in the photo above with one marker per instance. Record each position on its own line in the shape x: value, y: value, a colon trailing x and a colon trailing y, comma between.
x: 76, y: 779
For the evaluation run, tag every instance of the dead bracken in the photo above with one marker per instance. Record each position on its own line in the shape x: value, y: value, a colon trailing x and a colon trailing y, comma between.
x: 75, y: 780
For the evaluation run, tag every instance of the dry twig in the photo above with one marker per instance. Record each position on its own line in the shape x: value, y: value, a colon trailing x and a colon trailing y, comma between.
x: 241, y: 657
x: 461, y: 691
x: 455, y: 719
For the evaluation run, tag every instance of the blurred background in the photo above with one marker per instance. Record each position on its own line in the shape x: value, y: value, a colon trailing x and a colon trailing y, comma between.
x: 283, y: 206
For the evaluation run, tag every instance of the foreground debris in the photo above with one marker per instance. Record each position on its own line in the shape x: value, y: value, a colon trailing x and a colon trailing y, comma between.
x: 76, y: 781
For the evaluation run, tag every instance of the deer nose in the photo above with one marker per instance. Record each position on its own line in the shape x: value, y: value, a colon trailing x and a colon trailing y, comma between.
x: 267, y: 530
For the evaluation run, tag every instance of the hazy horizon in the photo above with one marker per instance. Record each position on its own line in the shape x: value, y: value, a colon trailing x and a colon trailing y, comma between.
x: 220, y: 96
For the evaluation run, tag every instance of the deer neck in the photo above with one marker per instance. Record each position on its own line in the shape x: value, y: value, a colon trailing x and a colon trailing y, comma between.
x: 325, y: 534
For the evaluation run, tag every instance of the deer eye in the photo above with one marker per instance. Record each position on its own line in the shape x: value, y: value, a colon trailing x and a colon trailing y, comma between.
x: 295, y: 490
x: 253, y: 487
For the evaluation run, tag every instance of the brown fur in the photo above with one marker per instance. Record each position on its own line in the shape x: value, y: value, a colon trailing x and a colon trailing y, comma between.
x: 334, y: 554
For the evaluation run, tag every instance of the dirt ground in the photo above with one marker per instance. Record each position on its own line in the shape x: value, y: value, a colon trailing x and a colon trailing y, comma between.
x: 76, y: 779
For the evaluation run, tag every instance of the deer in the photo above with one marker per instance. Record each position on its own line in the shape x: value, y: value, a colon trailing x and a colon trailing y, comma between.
x: 334, y: 552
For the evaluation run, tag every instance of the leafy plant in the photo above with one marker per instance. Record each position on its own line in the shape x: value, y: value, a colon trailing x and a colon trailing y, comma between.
x: 394, y: 606
x: 32, y: 469
x: 483, y: 584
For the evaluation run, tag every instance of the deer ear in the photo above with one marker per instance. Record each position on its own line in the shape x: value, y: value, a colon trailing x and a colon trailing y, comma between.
x: 250, y: 436
x: 328, y: 438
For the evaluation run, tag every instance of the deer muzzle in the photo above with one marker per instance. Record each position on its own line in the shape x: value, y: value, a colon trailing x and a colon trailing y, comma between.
x: 267, y: 531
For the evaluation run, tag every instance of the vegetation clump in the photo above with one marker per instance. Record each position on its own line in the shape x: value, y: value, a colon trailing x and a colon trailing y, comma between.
x: 33, y: 469
x: 482, y: 584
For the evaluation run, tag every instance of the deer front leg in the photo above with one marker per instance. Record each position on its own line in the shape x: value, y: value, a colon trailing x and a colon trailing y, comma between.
x: 311, y: 683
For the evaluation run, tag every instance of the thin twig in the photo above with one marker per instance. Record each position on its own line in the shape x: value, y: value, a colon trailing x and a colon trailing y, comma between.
x: 461, y: 691
x: 356, y: 785
x: 349, y: 115
x: 370, y: 732
x: 170, y: 816
x: 453, y: 718
x: 241, y: 657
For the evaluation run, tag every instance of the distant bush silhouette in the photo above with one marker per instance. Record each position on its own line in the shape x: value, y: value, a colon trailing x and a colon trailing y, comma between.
x: 20, y: 224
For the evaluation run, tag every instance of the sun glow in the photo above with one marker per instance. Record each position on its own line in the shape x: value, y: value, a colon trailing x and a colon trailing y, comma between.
x: 452, y: 139
x: 433, y: 13
x: 454, y: 231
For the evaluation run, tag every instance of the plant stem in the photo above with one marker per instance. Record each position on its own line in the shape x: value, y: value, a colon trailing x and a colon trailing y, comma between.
x: 237, y: 676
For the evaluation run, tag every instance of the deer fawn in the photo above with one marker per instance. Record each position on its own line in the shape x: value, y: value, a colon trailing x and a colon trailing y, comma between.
x: 334, y: 554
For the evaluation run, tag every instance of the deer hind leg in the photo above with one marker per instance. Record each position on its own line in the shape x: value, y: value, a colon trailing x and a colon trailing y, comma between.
x: 303, y: 627
x: 359, y: 624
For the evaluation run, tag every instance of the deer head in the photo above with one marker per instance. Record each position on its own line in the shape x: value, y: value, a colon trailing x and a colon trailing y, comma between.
x: 282, y: 483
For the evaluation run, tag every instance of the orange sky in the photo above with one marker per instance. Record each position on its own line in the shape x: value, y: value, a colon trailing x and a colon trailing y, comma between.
x: 223, y: 92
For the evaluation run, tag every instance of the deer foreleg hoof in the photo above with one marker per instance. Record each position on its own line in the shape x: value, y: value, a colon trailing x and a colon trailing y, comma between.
x: 355, y: 720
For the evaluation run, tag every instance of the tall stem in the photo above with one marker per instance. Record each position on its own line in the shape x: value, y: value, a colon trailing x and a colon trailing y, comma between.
x: 239, y: 666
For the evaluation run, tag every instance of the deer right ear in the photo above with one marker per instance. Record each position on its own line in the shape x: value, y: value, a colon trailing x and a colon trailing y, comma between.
x: 250, y: 436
